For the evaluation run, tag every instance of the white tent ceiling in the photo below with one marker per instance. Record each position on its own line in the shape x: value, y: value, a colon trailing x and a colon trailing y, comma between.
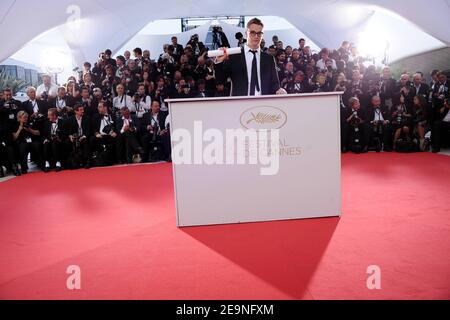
x: 92, y: 25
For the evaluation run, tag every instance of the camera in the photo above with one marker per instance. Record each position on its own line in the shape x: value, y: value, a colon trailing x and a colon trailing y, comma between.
x: 108, y: 129
x: 44, y: 95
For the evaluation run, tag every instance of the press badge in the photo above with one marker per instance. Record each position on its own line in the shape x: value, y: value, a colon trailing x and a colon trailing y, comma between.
x: 11, y: 116
x: 28, y: 140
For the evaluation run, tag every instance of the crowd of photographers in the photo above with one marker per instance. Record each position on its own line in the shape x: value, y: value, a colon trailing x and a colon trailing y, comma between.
x: 115, y: 111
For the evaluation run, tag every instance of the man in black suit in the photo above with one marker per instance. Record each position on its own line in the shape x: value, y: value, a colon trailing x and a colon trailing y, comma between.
x: 104, y: 131
x: 355, y: 129
x: 252, y: 72
x: 127, y: 127
x: 440, y: 131
x: 153, y: 131
x: 379, y: 117
x: 419, y: 88
x: 79, y: 132
x: 177, y: 48
x: 54, y: 134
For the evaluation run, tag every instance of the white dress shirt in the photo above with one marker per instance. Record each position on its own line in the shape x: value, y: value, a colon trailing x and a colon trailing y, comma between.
x: 123, y: 101
x: 51, y: 90
x: 249, y: 61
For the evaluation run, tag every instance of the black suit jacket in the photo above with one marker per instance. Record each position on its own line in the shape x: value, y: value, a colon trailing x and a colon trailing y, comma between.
x: 423, y: 90
x: 134, y: 121
x: 72, y: 126
x: 236, y: 67
x: 384, y: 112
x: 96, y: 123
x: 147, y: 121
x: 42, y: 105
x: 61, y: 131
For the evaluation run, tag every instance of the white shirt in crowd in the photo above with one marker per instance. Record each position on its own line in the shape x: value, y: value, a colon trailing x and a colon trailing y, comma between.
x: 51, y: 90
x: 34, y: 105
x: 322, y: 65
x: 378, y: 115
x: 249, y: 62
x: 124, y: 101
x: 144, y: 106
x: 106, y: 121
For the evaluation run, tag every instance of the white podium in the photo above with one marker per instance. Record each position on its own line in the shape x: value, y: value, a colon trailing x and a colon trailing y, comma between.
x: 307, y: 183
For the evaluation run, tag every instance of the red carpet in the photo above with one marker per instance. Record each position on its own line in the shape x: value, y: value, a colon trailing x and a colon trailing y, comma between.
x: 118, y: 225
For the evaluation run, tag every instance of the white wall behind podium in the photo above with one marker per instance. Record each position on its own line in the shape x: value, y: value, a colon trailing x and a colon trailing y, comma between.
x: 308, y: 183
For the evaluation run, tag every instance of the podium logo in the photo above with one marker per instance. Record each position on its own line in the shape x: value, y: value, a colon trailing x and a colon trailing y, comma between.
x: 263, y: 118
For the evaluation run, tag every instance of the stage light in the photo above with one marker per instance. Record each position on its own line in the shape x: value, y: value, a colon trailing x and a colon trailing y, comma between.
x: 55, y: 61
x: 373, y: 43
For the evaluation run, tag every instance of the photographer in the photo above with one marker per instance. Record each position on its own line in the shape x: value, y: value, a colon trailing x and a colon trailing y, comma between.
x: 297, y: 84
x: 441, y: 127
x: 210, y: 77
x: 219, y: 40
x: 90, y: 108
x: 108, y: 60
x: 109, y: 81
x: 355, y: 132
x: 79, y: 132
x: 104, y: 131
x: 9, y: 108
x: 387, y: 88
x: 200, y: 70
x: 419, y: 119
x: 127, y: 128
x: 280, y: 64
x: 24, y: 138
x: 162, y: 93
x: 54, y: 135
x: 441, y: 92
x: 61, y: 103
x: 196, y: 46
x: 379, y: 118
x: 141, y: 101
x: 322, y: 84
x: 183, y: 90
x: 240, y: 38
x: 322, y: 63
x: 288, y: 75
x: 37, y: 109
x: 88, y: 82
x: 404, y: 87
x: 138, y: 57
x: 47, y: 86
x: 177, y: 48
x: 401, y: 115
x: 153, y: 132
x: 122, y: 100
x: 298, y: 61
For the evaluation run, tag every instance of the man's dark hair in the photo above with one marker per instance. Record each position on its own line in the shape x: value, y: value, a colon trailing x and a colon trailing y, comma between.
x: 138, y: 51
x: 121, y: 58
x: 434, y: 72
x: 108, y: 52
x: 87, y: 64
x: 77, y: 106
x: 255, y: 21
